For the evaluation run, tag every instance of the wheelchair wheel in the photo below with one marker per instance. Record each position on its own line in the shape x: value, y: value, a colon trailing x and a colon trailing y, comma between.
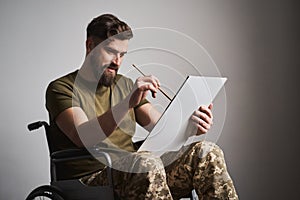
x: 44, y: 193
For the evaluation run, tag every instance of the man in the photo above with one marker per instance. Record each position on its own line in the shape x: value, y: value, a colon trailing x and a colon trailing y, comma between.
x: 98, y: 106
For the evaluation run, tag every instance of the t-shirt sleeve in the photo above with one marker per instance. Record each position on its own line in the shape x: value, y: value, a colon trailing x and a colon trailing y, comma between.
x: 58, y: 98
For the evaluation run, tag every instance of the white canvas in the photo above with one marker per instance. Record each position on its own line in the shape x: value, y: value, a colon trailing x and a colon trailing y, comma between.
x: 171, y: 131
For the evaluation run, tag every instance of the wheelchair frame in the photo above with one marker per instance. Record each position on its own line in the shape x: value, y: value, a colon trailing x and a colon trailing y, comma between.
x: 72, y: 189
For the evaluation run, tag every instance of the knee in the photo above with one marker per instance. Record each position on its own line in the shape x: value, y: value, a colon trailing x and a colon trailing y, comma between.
x: 206, y: 148
x: 145, y: 162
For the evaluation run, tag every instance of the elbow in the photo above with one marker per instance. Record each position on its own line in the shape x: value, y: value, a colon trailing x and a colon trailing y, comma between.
x: 87, y: 135
x: 75, y: 138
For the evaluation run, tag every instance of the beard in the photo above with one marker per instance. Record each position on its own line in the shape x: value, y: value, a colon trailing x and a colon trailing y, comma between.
x: 107, y: 79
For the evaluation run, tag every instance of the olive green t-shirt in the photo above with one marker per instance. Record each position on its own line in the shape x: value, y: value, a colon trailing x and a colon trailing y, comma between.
x: 73, y: 91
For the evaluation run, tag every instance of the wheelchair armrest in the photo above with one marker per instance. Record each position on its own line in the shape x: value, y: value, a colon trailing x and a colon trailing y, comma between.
x: 77, y: 154
x: 59, y: 156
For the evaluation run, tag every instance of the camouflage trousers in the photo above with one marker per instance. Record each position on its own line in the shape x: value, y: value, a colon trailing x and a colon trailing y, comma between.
x: 200, y: 166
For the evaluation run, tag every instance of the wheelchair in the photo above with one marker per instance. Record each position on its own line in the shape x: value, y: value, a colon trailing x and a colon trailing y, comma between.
x: 74, y: 189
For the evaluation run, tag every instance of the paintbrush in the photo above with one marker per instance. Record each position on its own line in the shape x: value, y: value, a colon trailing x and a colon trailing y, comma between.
x: 158, y: 88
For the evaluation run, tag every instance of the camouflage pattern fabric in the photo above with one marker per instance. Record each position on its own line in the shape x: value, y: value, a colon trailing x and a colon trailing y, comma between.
x: 201, y: 166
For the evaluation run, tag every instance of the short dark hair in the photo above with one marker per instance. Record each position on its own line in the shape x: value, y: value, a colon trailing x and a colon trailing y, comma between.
x: 107, y: 25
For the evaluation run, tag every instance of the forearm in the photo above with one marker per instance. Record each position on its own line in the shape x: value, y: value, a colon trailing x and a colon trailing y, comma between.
x: 147, y: 116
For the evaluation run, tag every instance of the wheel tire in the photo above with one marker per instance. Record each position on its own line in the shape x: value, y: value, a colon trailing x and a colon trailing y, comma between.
x: 45, y: 192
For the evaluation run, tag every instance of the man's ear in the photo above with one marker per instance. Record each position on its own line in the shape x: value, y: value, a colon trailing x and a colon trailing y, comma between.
x: 89, y: 45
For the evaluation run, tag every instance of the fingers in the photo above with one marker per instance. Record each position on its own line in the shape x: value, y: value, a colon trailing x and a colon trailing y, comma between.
x: 203, y: 119
x: 141, y: 86
x: 144, y: 87
x: 201, y: 129
x: 151, y: 79
x: 207, y: 110
x: 148, y: 83
x: 201, y: 122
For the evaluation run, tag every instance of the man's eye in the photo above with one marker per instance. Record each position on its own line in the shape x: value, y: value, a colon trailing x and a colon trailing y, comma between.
x: 109, y: 50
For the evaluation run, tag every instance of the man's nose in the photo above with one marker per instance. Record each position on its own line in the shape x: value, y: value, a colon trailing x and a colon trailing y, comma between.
x: 117, y: 59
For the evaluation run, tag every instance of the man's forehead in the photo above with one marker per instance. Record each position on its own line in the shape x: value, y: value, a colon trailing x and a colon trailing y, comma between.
x: 117, y: 44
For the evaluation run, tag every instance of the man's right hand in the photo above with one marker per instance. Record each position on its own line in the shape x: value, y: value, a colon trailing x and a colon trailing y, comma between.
x: 140, y: 89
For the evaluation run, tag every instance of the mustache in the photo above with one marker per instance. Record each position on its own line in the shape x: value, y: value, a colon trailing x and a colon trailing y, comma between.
x: 111, y: 66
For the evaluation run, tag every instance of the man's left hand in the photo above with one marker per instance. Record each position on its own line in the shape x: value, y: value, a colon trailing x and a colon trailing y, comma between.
x: 203, y: 119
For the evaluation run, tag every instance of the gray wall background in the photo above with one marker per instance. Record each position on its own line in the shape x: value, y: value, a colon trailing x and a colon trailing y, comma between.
x: 254, y: 43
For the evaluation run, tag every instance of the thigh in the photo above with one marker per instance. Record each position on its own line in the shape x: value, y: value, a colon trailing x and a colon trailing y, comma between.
x: 133, y: 175
x: 179, y: 172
